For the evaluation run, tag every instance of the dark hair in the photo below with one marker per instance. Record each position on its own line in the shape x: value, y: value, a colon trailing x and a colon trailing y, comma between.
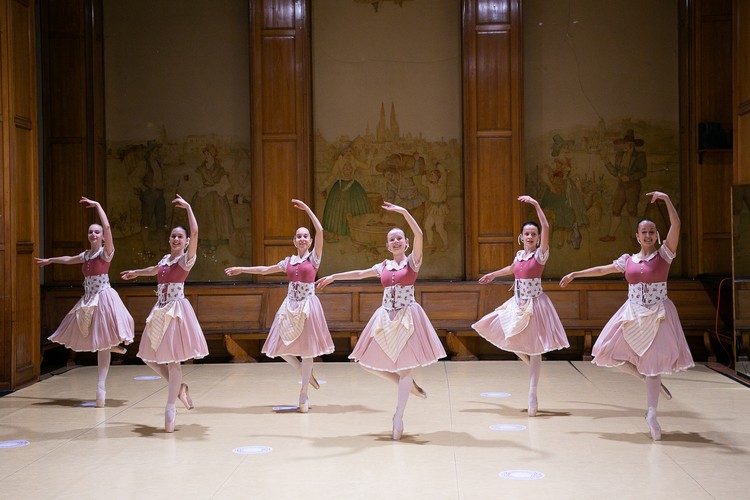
x: 531, y: 223
x: 187, y: 233
x: 646, y: 219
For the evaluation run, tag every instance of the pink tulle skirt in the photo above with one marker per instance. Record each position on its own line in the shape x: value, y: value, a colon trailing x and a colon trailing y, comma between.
x: 544, y: 333
x: 111, y: 325
x: 182, y: 340
x: 423, y: 347
x: 667, y: 354
x: 315, y: 339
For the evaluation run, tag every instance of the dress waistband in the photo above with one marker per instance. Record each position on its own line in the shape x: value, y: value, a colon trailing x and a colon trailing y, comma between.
x: 397, y: 297
x: 169, y: 292
x: 94, y: 284
x: 647, y: 294
x: 299, y: 291
x: 527, y: 288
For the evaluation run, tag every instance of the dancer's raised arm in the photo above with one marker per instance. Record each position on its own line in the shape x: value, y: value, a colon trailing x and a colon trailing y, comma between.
x: 543, y: 223
x: 673, y: 235
x: 318, y: 244
x: 417, y: 244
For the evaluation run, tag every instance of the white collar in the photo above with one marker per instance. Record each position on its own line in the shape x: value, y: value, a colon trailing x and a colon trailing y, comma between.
x: 296, y: 259
x: 522, y: 255
x: 392, y: 265
x: 91, y: 256
x: 166, y: 261
x: 637, y: 257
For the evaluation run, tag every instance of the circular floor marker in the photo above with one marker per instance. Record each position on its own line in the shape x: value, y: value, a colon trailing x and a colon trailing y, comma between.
x: 86, y: 404
x: 252, y: 450
x: 14, y: 444
x: 521, y: 475
x: 147, y: 377
x: 285, y: 408
x: 495, y: 394
x: 508, y: 427
x: 320, y: 382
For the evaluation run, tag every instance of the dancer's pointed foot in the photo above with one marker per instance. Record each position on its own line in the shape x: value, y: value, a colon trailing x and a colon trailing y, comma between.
x: 533, y: 405
x: 314, y: 382
x: 184, y: 396
x: 398, y: 428
x: 101, y: 396
x: 170, y: 414
x: 524, y: 357
x: 418, y: 391
x: 304, y: 404
x: 653, y: 424
x: 118, y: 349
x: 665, y: 392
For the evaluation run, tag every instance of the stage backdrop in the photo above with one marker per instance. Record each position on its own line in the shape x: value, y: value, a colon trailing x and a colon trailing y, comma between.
x: 387, y: 120
x: 601, y: 118
x: 177, y: 101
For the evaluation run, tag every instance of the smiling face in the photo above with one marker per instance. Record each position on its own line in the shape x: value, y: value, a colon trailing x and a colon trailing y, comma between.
x: 302, y: 240
x: 396, y: 241
x: 178, y: 240
x: 95, y: 235
x: 530, y: 236
x: 646, y: 235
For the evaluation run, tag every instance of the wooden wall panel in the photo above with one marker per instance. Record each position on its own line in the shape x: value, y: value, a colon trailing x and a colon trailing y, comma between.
x: 741, y: 93
x: 74, y: 145
x: 705, y: 201
x: 492, y: 131
x: 281, y: 123
x: 19, y: 215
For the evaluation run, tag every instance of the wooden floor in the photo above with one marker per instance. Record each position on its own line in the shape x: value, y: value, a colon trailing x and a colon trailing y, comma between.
x: 470, y: 439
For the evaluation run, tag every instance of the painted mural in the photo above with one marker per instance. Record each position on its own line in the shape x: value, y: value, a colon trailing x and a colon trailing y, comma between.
x: 601, y: 117
x: 211, y: 172
x: 387, y: 128
x: 169, y: 130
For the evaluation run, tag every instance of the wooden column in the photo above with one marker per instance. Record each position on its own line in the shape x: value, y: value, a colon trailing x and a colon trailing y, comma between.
x: 281, y: 123
x: 74, y: 139
x: 19, y: 217
x: 492, y: 102
x: 741, y: 103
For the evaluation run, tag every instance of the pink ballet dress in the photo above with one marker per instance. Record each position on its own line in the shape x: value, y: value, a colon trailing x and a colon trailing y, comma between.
x: 299, y: 328
x: 527, y: 322
x: 172, y: 332
x: 646, y: 330
x: 100, y: 320
x: 399, y: 336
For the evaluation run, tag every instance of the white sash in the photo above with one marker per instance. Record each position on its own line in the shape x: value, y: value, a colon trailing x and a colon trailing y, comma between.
x: 392, y: 330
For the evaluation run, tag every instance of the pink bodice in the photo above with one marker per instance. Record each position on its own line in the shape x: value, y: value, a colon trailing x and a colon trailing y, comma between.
x: 654, y: 269
x: 303, y: 271
x: 95, y: 266
x: 405, y: 276
x: 530, y: 267
x: 174, y: 273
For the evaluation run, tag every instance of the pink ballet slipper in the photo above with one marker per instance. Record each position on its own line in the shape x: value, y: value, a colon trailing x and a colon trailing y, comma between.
x: 304, y: 404
x: 533, y: 405
x: 418, y: 391
x: 170, y: 414
x: 653, y: 424
x: 398, y: 428
x: 184, y: 396
x: 100, y: 397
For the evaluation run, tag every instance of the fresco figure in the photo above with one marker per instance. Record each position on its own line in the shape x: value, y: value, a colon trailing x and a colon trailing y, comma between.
x: 344, y: 195
x: 629, y: 168
x: 562, y: 196
x: 210, y: 201
x: 436, y: 209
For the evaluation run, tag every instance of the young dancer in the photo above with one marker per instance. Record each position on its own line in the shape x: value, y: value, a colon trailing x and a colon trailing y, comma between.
x: 399, y: 337
x: 173, y: 334
x: 527, y: 324
x: 99, y: 322
x: 644, y: 337
x: 299, y: 328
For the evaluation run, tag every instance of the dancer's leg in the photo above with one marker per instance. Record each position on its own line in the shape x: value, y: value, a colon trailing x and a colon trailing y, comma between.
x: 653, y: 387
x: 630, y: 369
x: 535, y: 369
x: 173, y: 390
x: 393, y: 377
x: 103, y: 359
x: 306, y: 369
x: 405, y: 385
x: 160, y: 370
